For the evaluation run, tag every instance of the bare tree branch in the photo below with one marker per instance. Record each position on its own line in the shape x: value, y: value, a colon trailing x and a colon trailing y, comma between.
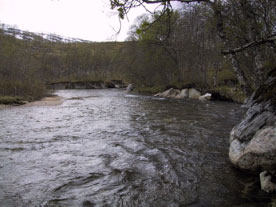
x: 270, y: 38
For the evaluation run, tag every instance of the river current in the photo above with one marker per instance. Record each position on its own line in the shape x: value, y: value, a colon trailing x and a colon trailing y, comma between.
x: 106, y: 148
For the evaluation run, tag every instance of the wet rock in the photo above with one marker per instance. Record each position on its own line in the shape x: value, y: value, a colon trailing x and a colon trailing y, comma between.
x: 258, y: 153
x: 129, y: 88
x: 253, y: 141
x: 193, y: 93
x: 266, y: 183
x: 205, y: 97
x: 171, y: 93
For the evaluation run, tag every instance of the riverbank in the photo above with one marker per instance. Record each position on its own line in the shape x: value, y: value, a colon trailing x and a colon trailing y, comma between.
x: 223, y: 93
x: 53, y: 100
x: 47, y: 101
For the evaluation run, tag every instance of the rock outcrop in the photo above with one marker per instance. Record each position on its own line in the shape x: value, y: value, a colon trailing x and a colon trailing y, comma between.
x: 253, y: 141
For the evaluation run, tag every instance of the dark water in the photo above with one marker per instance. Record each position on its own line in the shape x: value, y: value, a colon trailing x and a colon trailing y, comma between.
x: 107, y: 148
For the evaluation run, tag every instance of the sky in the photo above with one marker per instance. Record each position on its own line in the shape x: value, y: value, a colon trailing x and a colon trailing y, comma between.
x: 85, y: 19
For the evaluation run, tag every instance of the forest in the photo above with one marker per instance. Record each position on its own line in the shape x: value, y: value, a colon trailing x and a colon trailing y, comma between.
x: 163, y: 50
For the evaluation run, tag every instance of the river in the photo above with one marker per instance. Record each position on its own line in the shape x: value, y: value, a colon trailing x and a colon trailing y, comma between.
x: 108, y: 148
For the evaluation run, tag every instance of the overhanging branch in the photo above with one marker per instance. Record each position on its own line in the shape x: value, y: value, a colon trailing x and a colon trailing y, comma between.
x: 270, y: 38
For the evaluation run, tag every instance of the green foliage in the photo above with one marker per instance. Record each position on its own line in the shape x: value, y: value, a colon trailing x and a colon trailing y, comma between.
x: 232, y: 93
x: 121, y: 12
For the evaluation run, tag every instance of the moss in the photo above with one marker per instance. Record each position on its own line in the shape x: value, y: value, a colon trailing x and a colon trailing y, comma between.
x: 231, y: 93
x: 11, y: 100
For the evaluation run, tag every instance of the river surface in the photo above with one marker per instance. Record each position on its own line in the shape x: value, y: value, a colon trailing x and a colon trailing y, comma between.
x: 108, y: 148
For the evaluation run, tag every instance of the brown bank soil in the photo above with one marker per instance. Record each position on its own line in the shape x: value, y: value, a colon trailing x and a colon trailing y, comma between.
x: 47, y: 101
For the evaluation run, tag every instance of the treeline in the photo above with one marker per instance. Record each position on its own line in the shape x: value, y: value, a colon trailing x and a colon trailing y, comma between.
x: 28, y: 62
x: 203, y: 39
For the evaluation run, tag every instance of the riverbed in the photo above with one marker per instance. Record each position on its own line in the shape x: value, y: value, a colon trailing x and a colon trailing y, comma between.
x: 109, y: 148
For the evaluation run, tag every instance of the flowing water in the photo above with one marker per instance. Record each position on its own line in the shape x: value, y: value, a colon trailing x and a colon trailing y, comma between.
x: 109, y: 148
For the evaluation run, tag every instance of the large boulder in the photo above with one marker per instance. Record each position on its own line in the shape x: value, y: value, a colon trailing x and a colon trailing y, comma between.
x: 253, y: 141
x: 193, y: 93
x: 258, y: 153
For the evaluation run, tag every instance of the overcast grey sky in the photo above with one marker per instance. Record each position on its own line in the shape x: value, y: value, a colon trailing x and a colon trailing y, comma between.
x: 86, y: 19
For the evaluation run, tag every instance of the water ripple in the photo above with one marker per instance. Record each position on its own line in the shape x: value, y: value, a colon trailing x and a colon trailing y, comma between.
x: 107, y: 148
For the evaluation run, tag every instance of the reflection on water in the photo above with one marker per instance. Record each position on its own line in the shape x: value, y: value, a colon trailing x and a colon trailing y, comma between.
x: 107, y: 148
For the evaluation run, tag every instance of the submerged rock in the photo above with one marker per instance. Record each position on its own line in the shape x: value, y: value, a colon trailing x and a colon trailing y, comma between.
x: 253, y: 141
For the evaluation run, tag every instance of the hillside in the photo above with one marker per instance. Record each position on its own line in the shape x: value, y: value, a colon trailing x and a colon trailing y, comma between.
x: 30, y: 61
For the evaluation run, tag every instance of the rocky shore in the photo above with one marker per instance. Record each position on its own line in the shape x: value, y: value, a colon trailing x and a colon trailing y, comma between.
x: 253, y: 141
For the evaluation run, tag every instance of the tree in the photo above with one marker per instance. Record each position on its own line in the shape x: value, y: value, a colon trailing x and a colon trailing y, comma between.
x: 241, y: 25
